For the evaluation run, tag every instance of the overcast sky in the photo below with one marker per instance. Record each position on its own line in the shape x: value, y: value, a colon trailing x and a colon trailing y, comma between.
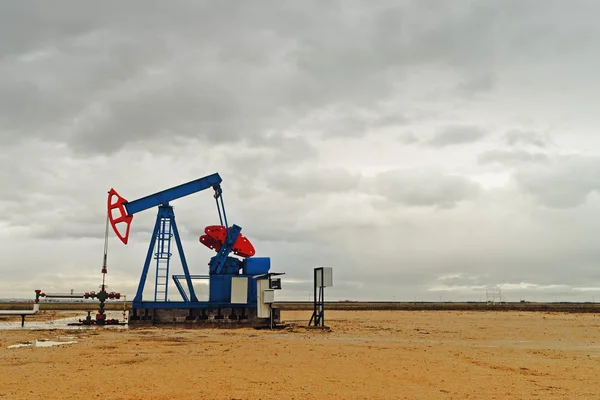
x: 423, y: 149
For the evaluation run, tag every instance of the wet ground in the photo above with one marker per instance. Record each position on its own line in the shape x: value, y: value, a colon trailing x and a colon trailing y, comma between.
x: 41, y: 322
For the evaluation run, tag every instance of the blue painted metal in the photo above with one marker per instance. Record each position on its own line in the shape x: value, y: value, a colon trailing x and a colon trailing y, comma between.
x: 218, y: 262
x: 220, y: 288
x: 182, y: 292
x: 256, y: 265
x: 163, y: 258
x: 219, y: 195
x: 223, y: 206
x: 222, y: 267
x: 165, y: 196
x: 140, y: 289
x: 219, y: 210
x: 186, y: 270
x: 183, y: 304
x: 176, y: 279
x: 164, y: 213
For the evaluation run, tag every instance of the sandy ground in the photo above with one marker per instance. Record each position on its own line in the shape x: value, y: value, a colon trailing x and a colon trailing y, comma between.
x: 366, y: 355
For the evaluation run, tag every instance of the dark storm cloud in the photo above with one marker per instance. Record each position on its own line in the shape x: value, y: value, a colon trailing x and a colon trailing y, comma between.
x: 102, y: 75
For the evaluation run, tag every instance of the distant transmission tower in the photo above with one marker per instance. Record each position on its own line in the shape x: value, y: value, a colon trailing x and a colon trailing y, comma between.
x: 494, y: 295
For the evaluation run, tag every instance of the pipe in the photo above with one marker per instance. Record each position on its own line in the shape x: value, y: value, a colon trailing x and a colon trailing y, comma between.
x: 22, y: 313
x: 64, y: 295
x: 36, y: 308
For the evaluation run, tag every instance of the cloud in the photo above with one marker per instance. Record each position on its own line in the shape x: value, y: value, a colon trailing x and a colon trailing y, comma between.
x: 314, y: 181
x: 424, y: 188
x: 125, y: 76
x: 456, y: 135
x: 565, y: 183
x: 516, y: 157
x: 476, y: 85
x: 308, y: 111
x: 519, y: 137
x: 407, y: 138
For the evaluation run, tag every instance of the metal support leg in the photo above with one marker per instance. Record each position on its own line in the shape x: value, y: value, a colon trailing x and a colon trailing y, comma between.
x: 22, y: 320
x: 322, y: 301
x: 314, y: 314
x: 184, y: 264
x: 318, y: 300
x: 140, y: 290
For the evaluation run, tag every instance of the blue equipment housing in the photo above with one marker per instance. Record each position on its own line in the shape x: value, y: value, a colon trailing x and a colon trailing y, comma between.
x: 222, y: 267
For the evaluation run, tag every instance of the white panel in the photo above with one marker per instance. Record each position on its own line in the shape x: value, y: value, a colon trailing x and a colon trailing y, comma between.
x: 269, y: 296
x: 327, y: 277
x: 262, y: 310
x: 239, y: 290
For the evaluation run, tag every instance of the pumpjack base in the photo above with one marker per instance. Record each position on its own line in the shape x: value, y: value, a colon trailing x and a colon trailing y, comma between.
x: 218, y: 316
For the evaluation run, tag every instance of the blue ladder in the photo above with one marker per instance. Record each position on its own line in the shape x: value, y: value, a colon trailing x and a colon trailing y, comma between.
x: 163, y: 258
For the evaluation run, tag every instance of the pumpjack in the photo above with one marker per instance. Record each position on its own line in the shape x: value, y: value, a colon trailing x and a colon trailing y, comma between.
x: 240, y: 288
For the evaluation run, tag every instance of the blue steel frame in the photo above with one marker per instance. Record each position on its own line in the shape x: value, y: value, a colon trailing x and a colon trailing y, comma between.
x: 165, y: 196
x: 183, y: 304
x: 164, y: 212
x: 216, y: 267
x: 182, y: 292
x: 221, y: 257
x: 163, y: 255
x: 206, y: 304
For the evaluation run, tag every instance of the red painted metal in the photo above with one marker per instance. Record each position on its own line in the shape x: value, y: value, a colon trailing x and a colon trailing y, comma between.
x: 217, y: 232
x: 243, y: 247
x: 215, y: 236
x: 119, y: 205
x: 211, y: 242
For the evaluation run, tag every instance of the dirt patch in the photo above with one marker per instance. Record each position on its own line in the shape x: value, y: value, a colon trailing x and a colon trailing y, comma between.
x: 362, y: 355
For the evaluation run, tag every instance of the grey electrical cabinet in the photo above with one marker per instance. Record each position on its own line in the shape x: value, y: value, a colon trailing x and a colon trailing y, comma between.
x: 269, y: 296
x: 327, y: 280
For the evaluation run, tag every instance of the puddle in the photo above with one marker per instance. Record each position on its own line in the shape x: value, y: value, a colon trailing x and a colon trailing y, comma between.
x: 39, y: 343
x: 63, y: 323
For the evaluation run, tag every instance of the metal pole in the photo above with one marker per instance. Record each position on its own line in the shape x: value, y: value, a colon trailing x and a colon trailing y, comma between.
x: 315, y: 298
x: 223, y: 207
x: 219, y: 210
x: 322, y: 301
